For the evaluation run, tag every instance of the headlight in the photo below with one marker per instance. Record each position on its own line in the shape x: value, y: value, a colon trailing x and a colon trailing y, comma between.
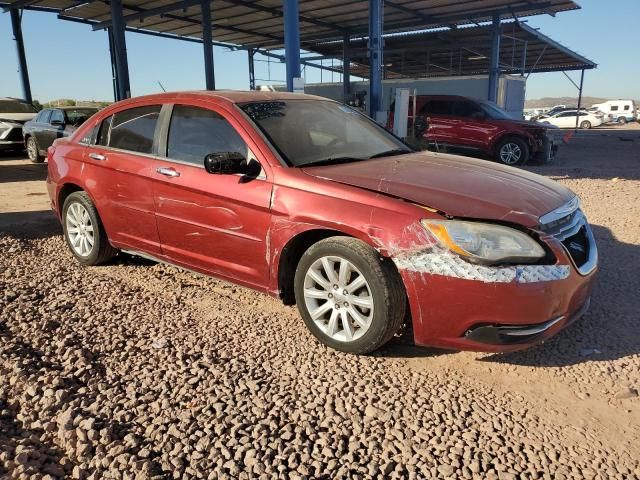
x: 484, y: 242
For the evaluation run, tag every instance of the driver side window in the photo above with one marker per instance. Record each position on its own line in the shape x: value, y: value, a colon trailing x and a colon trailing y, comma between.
x: 196, y: 132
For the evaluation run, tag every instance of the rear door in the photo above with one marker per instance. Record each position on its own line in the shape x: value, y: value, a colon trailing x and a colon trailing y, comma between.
x: 119, y: 167
x: 215, y: 223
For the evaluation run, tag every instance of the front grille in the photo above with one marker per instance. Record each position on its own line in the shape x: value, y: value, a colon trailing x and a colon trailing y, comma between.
x: 14, y: 135
x: 576, y: 237
x: 578, y: 247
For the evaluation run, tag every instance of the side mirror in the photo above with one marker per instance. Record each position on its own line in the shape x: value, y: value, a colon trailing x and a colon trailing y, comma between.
x: 225, y: 163
x: 57, y: 123
x: 478, y: 115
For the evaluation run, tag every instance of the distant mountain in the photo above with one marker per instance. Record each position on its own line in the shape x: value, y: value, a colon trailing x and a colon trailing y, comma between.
x: 568, y: 101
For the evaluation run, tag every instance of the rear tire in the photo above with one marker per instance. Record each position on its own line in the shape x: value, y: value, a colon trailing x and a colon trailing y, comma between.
x: 512, y: 151
x: 84, y: 232
x: 33, y: 151
x: 585, y: 124
x: 622, y: 120
x: 350, y: 298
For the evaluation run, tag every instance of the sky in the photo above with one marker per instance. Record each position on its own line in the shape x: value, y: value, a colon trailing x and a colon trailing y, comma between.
x: 69, y: 60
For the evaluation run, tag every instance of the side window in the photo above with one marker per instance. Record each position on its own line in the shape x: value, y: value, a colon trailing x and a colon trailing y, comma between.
x: 196, y: 132
x: 465, y: 109
x: 56, y: 116
x: 436, y: 107
x: 133, y: 129
x: 626, y: 107
x: 614, y: 108
x: 103, y: 132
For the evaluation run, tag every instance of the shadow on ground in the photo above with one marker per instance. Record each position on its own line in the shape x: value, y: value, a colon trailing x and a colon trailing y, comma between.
x: 20, y: 172
x: 35, y: 224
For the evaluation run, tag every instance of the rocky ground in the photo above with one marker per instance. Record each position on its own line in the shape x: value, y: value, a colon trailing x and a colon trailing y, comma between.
x: 139, y: 370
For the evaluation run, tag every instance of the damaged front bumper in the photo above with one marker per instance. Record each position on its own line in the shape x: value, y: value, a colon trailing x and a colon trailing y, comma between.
x: 458, y: 305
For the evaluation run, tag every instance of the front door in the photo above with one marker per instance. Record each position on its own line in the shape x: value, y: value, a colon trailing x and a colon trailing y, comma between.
x: 215, y: 223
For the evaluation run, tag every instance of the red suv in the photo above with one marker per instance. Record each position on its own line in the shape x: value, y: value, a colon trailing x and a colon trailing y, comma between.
x: 475, y: 127
x: 310, y: 201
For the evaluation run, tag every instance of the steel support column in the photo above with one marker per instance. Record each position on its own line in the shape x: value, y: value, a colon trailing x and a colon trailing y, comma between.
x: 16, y: 23
x: 580, y: 97
x: 494, y: 68
x: 346, y: 69
x: 291, y: 41
x: 120, y: 51
x: 114, y: 67
x: 207, y: 45
x: 376, y: 20
x: 252, y: 73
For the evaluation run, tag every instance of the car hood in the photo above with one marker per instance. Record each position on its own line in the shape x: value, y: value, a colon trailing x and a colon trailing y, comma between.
x: 454, y: 185
x: 17, y: 117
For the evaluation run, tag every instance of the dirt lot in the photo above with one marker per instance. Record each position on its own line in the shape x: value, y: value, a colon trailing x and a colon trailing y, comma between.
x: 142, y: 370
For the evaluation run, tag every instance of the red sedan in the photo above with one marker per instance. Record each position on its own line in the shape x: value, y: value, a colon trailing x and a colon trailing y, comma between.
x: 308, y: 200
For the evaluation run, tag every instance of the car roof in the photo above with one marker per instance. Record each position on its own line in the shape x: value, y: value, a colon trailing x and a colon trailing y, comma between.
x: 231, y: 96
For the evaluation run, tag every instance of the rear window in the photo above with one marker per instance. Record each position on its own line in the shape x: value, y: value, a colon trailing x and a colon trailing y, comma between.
x: 133, y: 129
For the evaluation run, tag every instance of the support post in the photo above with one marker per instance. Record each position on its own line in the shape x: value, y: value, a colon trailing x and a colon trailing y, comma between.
x: 120, y: 51
x: 114, y: 67
x: 252, y: 74
x: 207, y: 45
x: 16, y: 23
x: 494, y: 69
x: 291, y: 41
x: 376, y: 9
x: 346, y: 69
x: 580, y: 97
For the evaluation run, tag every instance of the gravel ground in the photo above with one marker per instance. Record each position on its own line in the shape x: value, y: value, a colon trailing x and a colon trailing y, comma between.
x: 140, y: 370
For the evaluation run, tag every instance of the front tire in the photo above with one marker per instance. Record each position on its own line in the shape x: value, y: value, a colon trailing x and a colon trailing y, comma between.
x: 33, y: 151
x: 622, y: 120
x: 349, y: 297
x: 512, y: 151
x: 83, y: 230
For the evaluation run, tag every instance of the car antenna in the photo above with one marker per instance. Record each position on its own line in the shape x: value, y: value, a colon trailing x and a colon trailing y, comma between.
x: 163, y: 89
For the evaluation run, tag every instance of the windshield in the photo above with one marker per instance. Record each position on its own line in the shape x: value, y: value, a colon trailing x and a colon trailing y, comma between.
x: 495, y: 112
x: 307, y: 132
x: 13, y: 106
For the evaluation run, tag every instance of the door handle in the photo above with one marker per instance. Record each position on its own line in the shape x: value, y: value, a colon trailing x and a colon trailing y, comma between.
x: 169, y: 172
x: 97, y: 156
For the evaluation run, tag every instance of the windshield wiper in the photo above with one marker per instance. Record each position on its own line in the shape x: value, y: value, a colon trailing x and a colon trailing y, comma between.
x: 391, y: 153
x: 332, y: 161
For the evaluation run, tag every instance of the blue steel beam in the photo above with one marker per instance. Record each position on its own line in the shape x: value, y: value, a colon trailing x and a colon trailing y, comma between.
x: 16, y: 24
x: 494, y: 66
x: 346, y: 69
x: 376, y: 20
x: 291, y: 41
x: 207, y: 45
x: 120, y: 51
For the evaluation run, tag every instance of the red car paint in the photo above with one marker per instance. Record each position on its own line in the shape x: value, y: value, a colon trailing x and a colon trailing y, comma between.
x: 237, y: 231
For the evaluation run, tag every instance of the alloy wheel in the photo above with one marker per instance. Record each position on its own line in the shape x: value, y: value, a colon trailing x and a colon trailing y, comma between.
x: 338, y: 298
x: 510, y: 153
x: 79, y: 229
x: 32, y: 149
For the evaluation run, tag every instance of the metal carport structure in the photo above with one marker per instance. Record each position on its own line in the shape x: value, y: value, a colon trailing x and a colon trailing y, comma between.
x: 267, y: 25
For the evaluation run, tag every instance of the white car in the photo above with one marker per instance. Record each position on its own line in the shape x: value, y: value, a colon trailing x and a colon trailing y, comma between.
x: 13, y: 114
x: 567, y: 119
